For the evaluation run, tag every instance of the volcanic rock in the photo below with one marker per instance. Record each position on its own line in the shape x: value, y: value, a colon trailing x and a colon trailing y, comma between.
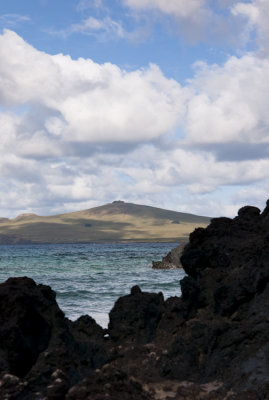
x: 212, y: 343
x: 135, y: 317
x: 171, y: 260
x: 39, y: 345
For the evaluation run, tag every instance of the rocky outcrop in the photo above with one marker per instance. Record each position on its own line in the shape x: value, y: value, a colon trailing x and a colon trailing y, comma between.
x: 139, y: 325
x: 41, y: 350
x: 212, y: 343
x: 172, y: 259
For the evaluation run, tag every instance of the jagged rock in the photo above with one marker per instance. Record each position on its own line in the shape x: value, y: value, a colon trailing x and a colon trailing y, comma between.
x: 36, y: 340
x: 171, y: 260
x: 24, y: 331
x: 218, y: 329
x: 108, y: 383
x: 58, y: 385
x: 135, y: 317
x: 10, y: 386
x: 212, y: 343
x: 225, y: 297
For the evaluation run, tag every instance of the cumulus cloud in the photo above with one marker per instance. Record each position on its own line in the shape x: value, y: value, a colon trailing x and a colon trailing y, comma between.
x: 82, y: 101
x: 229, y: 104
x: 257, y: 15
x: 55, y: 110
x: 75, y: 134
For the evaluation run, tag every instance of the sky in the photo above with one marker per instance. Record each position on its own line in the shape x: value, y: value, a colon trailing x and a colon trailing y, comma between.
x: 156, y: 102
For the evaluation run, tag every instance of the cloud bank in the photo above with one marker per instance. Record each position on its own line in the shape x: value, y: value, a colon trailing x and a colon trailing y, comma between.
x: 75, y: 133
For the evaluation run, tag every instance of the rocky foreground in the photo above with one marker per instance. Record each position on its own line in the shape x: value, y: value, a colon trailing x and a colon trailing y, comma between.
x: 212, y: 343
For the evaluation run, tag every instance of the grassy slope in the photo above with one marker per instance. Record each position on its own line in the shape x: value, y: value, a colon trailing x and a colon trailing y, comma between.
x: 117, y: 221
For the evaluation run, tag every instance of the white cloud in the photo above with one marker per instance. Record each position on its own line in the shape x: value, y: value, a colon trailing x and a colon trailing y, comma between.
x: 12, y: 20
x: 218, y: 21
x: 196, y: 20
x: 249, y: 10
x: 87, y: 134
x: 104, y: 29
x: 230, y: 103
x: 191, y: 17
x: 68, y: 109
x: 257, y: 14
x: 177, y: 8
x: 92, y: 103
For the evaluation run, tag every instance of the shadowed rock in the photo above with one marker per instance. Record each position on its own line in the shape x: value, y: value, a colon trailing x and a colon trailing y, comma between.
x: 135, y: 317
x: 36, y: 340
x: 212, y: 343
x: 171, y: 260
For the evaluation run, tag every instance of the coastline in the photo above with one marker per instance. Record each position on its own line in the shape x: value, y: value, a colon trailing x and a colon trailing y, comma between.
x: 209, y: 343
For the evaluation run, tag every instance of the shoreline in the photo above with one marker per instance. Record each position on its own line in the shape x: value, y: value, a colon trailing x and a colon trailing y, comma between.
x: 200, y: 345
x: 131, y: 241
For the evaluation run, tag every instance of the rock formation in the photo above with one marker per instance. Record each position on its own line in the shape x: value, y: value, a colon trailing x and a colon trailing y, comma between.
x: 212, y: 343
x: 171, y: 260
x: 40, y: 350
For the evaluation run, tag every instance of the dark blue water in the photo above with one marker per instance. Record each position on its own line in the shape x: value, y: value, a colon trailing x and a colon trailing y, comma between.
x: 88, y: 278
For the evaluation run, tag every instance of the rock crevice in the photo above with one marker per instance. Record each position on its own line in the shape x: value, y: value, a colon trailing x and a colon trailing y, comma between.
x: 212, y: 343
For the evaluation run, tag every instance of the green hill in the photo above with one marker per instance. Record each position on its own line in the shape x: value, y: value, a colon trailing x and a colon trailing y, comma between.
x: 117, y: 221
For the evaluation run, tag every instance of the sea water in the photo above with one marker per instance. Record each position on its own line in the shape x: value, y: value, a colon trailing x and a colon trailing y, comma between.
x: 88, y: 278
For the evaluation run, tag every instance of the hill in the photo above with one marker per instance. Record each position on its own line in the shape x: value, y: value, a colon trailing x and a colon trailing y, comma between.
x: 117, y: 221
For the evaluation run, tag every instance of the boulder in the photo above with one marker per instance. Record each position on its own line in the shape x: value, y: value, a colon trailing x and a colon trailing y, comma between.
x: 135, y: 317
x: 39, y: 345
x: 171, y: 260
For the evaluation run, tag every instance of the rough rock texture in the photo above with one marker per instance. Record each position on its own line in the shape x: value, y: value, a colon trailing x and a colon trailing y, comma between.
x: 171, y: 260
x: 39, y: 345
x: 139, y: 325
x: 212, y: 343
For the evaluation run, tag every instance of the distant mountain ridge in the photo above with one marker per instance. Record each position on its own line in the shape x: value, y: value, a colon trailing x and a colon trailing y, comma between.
x: 117, y: 221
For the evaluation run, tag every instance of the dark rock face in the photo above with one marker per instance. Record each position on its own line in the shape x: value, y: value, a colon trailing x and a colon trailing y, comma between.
x: 171, y: 260
x: 38, y: 344
x: 108, y: 383
x: 24, y: 332
x: 227, y: 291
x: 139, y: 325
x: 212, y: 343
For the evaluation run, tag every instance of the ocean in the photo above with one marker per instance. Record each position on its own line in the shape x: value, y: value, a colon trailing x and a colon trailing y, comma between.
x: 88, y: 278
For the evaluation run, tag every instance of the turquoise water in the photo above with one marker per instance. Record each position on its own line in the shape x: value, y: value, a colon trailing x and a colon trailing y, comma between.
x: 88, y: 278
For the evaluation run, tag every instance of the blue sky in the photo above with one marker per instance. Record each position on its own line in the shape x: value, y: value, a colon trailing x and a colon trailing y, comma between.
x: 47, y: 25
x: 159, y: 102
